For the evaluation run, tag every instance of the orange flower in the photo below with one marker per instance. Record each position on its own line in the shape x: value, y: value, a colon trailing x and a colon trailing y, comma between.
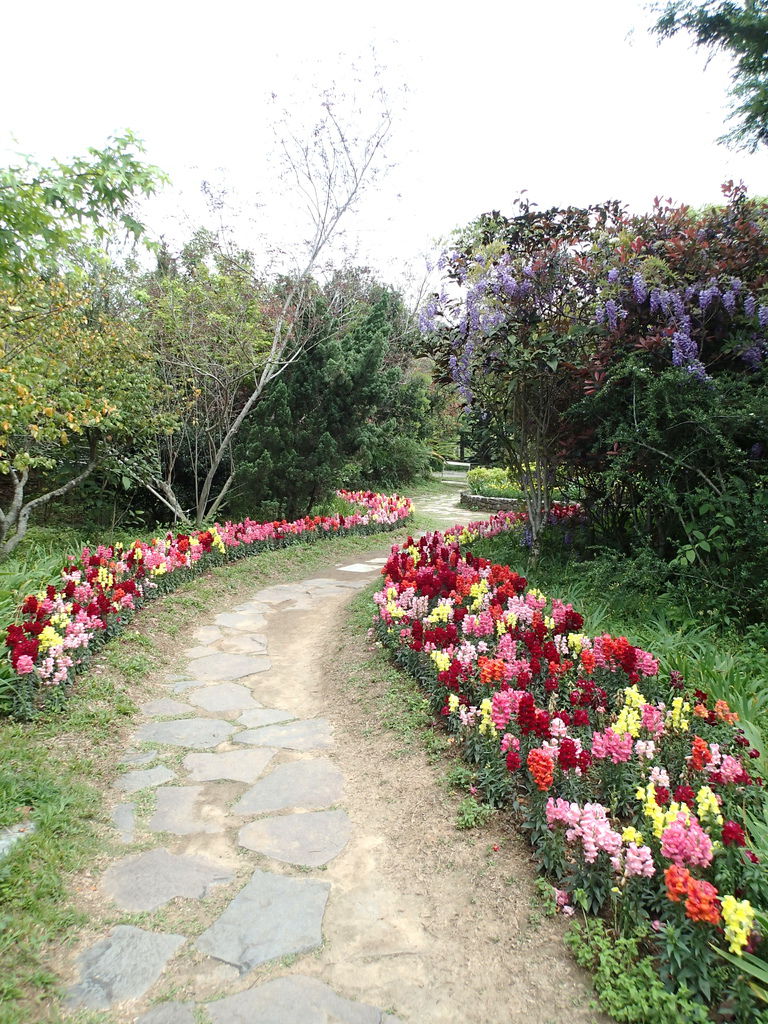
x: 491, y: 670
x: 588, y: 662
x: 541, y: 768
x: 700, y: 754
x: 702, y: 903
x: 700, y: 711
x: 724, y: 713
x: 678, y: 882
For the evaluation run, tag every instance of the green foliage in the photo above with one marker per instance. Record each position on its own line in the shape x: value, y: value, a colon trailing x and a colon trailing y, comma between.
x: 472, y: 814
x: 46, y: 211
x: 627, y: 983
x: 338, y: 416
x: 740, y: 30
x: 493, y: 483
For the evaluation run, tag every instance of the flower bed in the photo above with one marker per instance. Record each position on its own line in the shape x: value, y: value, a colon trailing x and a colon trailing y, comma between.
x: 634, y: 791
x: 99, y: 591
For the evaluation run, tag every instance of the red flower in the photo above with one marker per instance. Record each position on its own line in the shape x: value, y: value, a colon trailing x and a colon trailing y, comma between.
x: 685, y: 795
x: 733, y: 834
x: 567, y: 756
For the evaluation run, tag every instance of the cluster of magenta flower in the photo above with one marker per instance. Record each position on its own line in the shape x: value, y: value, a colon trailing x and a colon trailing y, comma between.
x: 99, y: 590
x: 634, y: 790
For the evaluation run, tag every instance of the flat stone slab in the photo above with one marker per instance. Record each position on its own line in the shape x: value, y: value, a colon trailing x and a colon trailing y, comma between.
x: 273, y: 916
x: 144, y: 778
x: 223, y: 666
x: 124, y: 820
x: 186, y: 732
x: 168, y: 1013
x: 122, y: 966
x: 146, y: 881
x: 138, y: 757
x: 314, y: 734
x: 207, y: 634
x: 197, y: 652
x: 254, y: 643
x: 265, y: 716
x: 280, y: 592
x: 177, y: 812
x: 165, y: 706
x: 310, y: 784
x: 292, y: 999
x: 358, y: 567
x: 14, y: 834
x: 185, y: 684
x: 249, y: 622
x: 223, y: 697
x: 235, y: 765
x: 309, y: 839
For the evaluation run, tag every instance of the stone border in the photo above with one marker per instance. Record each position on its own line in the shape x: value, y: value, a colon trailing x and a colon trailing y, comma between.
x: 480, y: 503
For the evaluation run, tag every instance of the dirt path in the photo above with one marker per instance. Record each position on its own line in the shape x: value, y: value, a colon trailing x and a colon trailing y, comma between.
x: 286, y: 859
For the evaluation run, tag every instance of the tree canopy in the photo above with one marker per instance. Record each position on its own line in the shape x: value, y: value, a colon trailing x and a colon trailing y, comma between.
x: 739, y: 30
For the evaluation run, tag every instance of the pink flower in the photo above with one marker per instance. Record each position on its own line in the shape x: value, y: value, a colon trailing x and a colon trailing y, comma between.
x: 686, y: 842
x: 638, y: 861
x: 25, y: 665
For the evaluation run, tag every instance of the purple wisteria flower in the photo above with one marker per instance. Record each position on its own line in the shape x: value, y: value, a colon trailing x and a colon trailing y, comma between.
x: 684, y: 349
x: 753, y: 357
x: 749, y: 306
x: 613, y: 275
x: 639, y: 287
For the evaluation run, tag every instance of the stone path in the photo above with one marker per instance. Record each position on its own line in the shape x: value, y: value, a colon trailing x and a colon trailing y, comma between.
x: 250, y: 888
x: 230, y: 801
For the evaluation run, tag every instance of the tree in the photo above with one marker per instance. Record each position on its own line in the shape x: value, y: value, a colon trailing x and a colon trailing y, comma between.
x: 70, y: 378
x: 741, y: 31
x: 74, y: 388
x: 329, y: 169
x: 209, y: 324
x: 516, y: 332
x: 46, y: 213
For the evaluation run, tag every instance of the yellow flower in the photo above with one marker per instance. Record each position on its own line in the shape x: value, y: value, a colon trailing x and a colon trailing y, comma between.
x: 629, y: 718
x: 576, y: 642
x: 739, y: 917
x: 486, y: 723
x: 453, y: 702
x: 440, y: 613
x: 631, y: 835
x: 707, y: 805
x: 50, y: 638
x: 441, y: 660
x: 676, y: 716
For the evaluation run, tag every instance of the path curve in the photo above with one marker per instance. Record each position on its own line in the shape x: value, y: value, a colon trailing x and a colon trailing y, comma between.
x: 255, y: 888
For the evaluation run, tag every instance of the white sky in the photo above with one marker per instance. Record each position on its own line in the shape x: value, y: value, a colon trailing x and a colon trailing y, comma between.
x: 569, y: 99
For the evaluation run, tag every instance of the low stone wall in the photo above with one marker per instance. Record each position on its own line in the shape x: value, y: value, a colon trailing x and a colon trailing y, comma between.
x: 479, y: 503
